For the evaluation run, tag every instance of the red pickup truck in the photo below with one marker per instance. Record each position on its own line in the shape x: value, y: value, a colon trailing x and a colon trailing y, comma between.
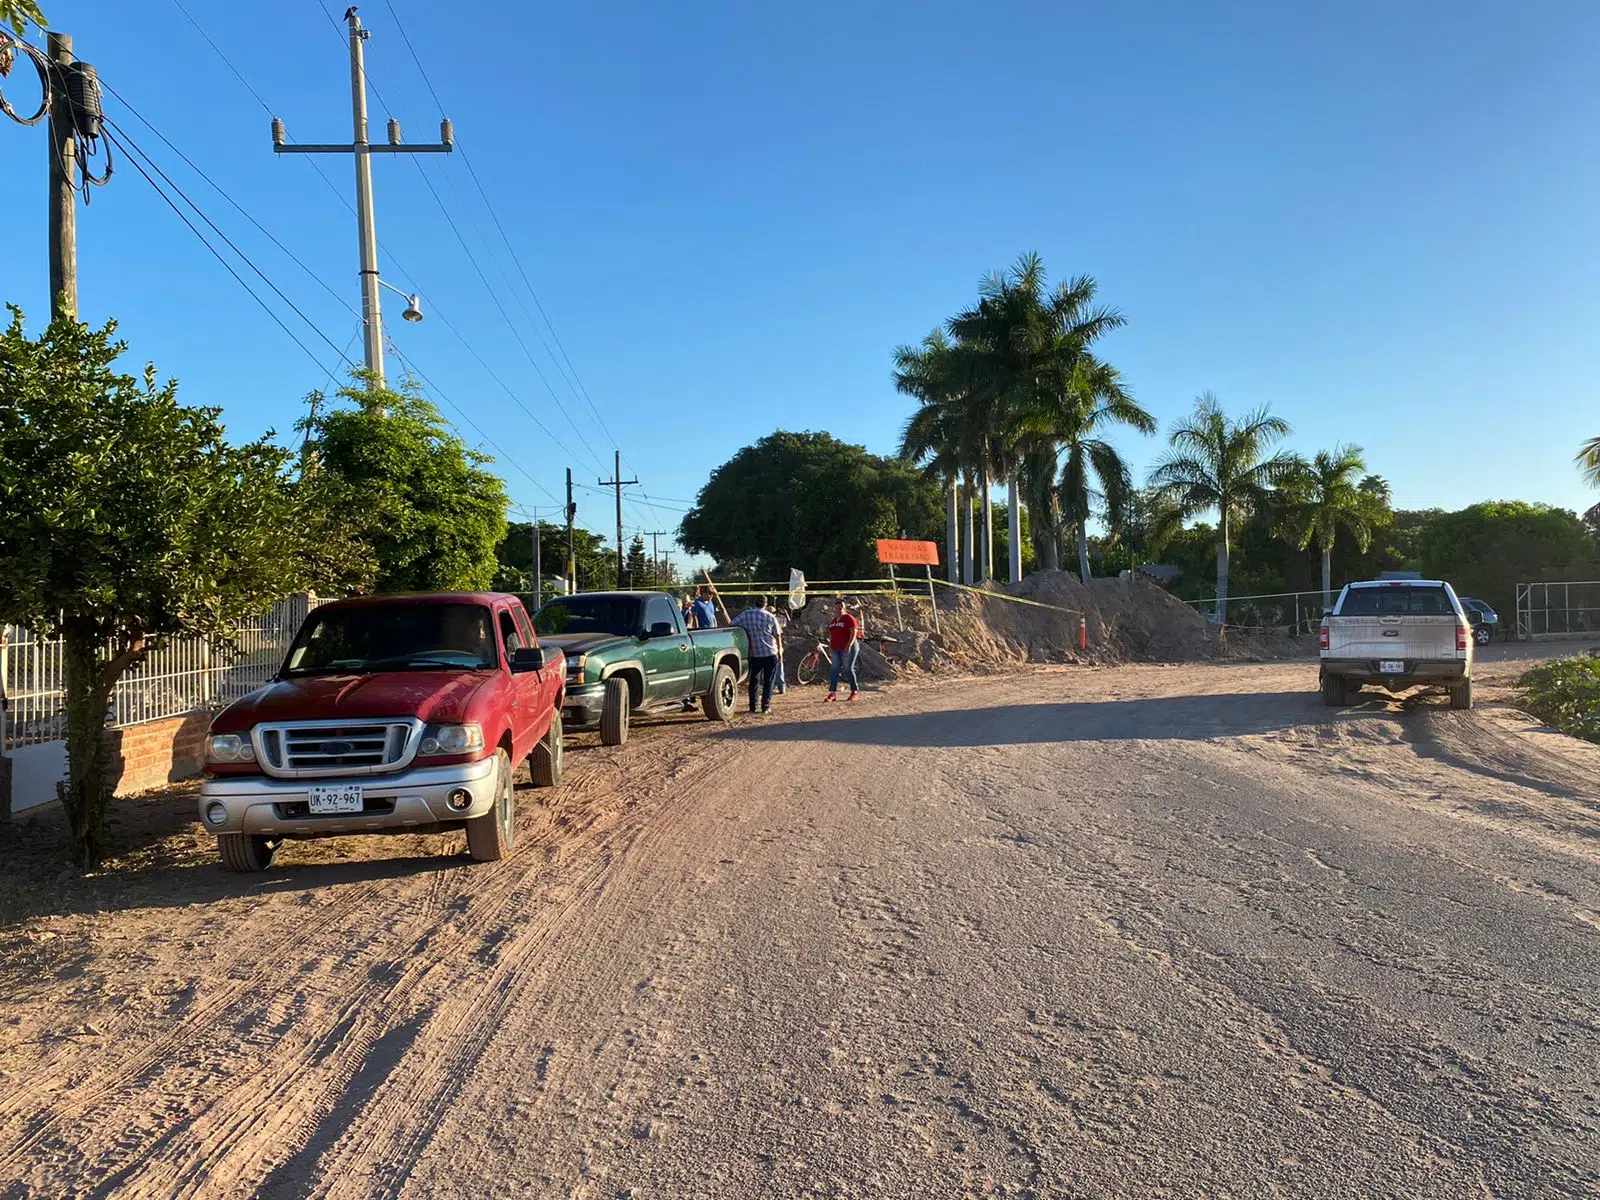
x: 390, y: 714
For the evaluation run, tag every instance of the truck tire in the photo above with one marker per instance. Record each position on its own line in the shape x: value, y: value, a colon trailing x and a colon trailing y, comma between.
x: 247, y: 853
x: 724, y: 694
x: 1333, y: 693
x: 1461, y: 697
x: 615, y: 711
x: 1483, y: 635
x: 548, y: 759
x: 491, y: 836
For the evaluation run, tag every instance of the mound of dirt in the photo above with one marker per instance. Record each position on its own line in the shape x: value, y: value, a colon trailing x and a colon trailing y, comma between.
x: 1129, y: 620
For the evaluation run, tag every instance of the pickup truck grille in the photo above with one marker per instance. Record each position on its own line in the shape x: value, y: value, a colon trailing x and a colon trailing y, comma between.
x: 301, y: 749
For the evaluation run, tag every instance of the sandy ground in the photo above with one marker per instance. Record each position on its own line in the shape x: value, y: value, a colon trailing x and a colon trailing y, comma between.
x: 1092, y: 933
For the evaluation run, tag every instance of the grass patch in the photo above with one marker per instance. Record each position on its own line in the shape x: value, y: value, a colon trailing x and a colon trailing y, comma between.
x: 1565, y: 694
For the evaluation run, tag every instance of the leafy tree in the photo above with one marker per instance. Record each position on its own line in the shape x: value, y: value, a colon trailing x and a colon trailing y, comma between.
x: 1323, y: 497
x: 18, y: 13
x: 596, y: 559
x: 810, y: 501
x: 1222, y: 466
x: 1486, y: 549
x: 411, y: 488
x: 130, y: 519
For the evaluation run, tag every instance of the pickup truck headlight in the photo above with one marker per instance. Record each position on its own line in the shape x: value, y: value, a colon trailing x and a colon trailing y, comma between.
x: 576, y: 664
x: 450, y: 739
x: 230, y: 748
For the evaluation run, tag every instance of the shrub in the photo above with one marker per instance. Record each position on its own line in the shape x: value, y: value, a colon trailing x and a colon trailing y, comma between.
x: 1565, y: 695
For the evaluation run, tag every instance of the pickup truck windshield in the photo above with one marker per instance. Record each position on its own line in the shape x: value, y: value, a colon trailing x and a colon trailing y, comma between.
x: 617, y: 615
x: 393, y: 637
x: 1409, y: 601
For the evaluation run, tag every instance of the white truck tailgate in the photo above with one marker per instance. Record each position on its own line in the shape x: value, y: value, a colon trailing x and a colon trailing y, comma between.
x: 1398, y: 637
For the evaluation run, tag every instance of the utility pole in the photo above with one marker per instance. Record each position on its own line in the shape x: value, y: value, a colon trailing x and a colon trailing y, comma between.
x: 655, y: 536
x: 618, y: 482
x: 572, y: 565
x: 63, y: 195
x: 366, y: 226
x: 538, y: 566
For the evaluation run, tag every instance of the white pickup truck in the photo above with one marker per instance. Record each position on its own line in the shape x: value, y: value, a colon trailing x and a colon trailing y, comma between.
x: 1399, y: 634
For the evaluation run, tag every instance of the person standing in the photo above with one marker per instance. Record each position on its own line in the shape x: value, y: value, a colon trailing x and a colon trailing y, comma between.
x: 766, y: 643
x: 705, y: 616
x: 844, y: 646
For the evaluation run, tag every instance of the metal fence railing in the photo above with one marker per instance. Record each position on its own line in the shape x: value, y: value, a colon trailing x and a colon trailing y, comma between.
x: 1568, y: 608
x: 1293, y: 612
x: 186, y: 675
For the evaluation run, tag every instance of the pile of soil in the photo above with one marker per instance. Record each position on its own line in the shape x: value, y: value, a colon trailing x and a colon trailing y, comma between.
x: 1129, y: 620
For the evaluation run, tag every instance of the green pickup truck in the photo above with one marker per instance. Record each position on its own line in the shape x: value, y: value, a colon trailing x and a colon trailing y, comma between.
x: 628, y: 654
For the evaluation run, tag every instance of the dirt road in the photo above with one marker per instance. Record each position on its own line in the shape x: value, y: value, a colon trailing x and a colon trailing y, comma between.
x: 1145, y: 932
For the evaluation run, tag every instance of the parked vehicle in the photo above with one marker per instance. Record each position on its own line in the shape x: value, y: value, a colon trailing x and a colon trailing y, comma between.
x: 390, y: 714
x: 1484, y: 620
x: 1398, y: 634
x: 629, y: 654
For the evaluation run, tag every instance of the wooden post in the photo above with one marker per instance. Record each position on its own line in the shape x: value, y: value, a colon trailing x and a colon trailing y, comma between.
x: 726, y: 619
x: 895, y: 587
x: 63, y: 197
x: 933, y: 602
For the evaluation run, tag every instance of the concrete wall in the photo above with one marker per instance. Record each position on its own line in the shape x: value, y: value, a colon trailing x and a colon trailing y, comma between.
x: 152, y: 754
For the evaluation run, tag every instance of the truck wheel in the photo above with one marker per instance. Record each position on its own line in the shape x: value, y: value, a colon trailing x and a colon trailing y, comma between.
x: 247, y: 853
x: 1461, y: 697
x: 1333, y: 691
x: 549, y: 756
x: 614, y: 712
x: 490, y: 837
x: 720, y: 700
x: 1483, y: 635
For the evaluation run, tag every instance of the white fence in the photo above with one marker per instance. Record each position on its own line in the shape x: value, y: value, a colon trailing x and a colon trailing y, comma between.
x: 184, y: 676
x: 1293, y: 612
x: 1569, y: 609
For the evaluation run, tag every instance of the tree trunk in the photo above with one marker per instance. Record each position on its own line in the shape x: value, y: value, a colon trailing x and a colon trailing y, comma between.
x: 969, y: 557
x: 1327, y: 577
x: 1222, y: 568
x: 1052, y: 552
x: 88, y: 784
x: 986, y: 556
x: 1083, y: 552
x: 952, y: 550
x: 1013, y: 529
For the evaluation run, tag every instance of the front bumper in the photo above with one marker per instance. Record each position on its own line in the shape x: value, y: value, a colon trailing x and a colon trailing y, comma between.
x: 580, y: 706
x: 1417, y: 671
x: 411, y: 800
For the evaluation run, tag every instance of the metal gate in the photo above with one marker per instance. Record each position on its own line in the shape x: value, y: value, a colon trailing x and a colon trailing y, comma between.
x: 1568, y: 609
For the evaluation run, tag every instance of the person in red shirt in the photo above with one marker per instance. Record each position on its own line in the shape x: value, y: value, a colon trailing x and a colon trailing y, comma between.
x: 844, y: 645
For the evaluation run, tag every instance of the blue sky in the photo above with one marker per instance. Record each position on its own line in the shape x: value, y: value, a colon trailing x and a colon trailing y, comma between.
x: 1381, y: 219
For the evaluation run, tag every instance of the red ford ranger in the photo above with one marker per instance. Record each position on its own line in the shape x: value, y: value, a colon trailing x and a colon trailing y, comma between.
x: 390, y: 714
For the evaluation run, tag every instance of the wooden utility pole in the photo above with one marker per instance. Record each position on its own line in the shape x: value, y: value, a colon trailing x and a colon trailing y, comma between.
x: 63, y: 195
x: 618, y: 482
x: 572, y: 511
x: 655, y: 536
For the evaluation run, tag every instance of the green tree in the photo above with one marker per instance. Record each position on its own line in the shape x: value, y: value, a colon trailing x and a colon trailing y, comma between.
x: 638, y: 571
x: 413, y: 490
x: 1221, y: 466
x: 1486, y: 549
x: 130, y: 519
x: 1321, y: 498
x: 810, y: 501
x: 596, y: 559
x: 1589, y: 462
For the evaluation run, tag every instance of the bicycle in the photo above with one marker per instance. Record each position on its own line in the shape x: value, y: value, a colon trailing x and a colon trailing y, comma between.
x: 817, y: 663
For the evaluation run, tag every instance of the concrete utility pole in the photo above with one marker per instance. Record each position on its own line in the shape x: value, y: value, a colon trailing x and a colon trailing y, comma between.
x: 63, y: 195
x: 618, y: 482
x: 366, y: 226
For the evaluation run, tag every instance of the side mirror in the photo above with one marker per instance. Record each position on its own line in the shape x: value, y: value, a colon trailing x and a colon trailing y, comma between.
x: 661, y: 629
x: 526, y: 658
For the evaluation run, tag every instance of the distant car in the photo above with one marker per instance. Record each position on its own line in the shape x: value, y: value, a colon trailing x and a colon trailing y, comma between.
x: 1485, y: 621
x: 1398, y: 634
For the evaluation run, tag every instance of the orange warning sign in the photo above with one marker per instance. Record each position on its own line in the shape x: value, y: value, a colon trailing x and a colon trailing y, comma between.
x: 920, y: 554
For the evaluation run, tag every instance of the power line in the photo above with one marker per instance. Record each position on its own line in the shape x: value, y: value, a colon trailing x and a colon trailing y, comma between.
x: 265, y: 307
x: 218, y: 188
x: 511, y: 249
x: 124, y: 136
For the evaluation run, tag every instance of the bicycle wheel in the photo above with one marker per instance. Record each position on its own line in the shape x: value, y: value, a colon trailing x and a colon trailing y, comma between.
x: 809, y: 668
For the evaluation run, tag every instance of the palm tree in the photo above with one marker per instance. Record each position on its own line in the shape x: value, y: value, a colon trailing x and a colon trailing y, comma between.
x: 1323, y: 497
x: 1588, y: 461
x: 1218, y: 465
x: 941, y: 435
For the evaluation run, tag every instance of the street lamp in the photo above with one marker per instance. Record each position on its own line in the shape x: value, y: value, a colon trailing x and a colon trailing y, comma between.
x: 413, y: 312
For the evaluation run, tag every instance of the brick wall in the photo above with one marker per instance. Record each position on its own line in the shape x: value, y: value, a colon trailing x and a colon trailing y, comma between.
x: 156, y: 753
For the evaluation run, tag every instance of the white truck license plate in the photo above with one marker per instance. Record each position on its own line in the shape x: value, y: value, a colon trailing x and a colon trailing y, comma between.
x: 1390, y: 667
x: 344, y: 799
